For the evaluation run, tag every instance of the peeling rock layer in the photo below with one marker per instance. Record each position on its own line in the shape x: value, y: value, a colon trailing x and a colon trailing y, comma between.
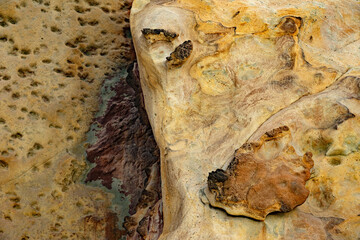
x: 264, y: 177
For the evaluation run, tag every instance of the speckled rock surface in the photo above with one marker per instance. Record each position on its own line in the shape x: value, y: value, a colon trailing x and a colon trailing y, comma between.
x: 264, y: 177
x: 66, y: 86
x: 254, y: 66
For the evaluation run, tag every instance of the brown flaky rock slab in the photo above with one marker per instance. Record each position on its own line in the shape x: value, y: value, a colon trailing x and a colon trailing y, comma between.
x: 265, y: 176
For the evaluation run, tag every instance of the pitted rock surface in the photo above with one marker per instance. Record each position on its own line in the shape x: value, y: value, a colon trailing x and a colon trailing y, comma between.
x: 55, y: 56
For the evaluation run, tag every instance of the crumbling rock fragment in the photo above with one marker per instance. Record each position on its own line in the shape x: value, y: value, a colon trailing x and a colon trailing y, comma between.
x: 154, y: 35
x: 290, y: 25
x: 265, y: 176
x: 180, y: 54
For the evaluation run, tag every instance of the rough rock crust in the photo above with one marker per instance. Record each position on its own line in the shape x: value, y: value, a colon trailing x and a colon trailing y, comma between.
x: 265, y: 176
x: 154, y: 35
x: 180, y: 54
x: 126, y: 150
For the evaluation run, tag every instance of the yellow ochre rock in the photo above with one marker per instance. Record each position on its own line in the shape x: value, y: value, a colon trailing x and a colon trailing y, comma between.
x: 254, y: 66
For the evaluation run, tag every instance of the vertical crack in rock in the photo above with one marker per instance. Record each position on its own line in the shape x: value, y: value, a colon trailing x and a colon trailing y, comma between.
x: 265, y: 176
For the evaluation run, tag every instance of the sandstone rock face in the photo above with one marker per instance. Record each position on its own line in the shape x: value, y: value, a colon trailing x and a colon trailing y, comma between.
x: 254, y: 66
x: 264, y: 177
x: 57, y: 59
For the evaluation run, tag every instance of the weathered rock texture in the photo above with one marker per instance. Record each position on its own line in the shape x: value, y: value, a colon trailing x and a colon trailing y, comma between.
x: 254, y: 66
x: 265, y: 176
x: 54, y: 57
x: 154, y: 35
x: 126, y: 150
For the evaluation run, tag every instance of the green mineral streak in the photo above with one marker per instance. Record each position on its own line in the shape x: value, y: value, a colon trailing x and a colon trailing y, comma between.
x: 352, y: 143
x: 246, y: 19
x: 214, y: 73
x: 120, y: 203
x: 91, y: 134
x: 107, y: 92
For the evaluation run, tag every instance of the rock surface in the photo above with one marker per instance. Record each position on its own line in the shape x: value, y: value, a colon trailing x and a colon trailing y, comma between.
x: 264, y: 177
x: 126, y: 150
x: 254, y: 66
x: 62, y: 63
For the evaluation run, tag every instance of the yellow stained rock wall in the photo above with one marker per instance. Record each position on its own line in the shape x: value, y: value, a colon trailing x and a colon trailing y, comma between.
x: 255, y: 65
